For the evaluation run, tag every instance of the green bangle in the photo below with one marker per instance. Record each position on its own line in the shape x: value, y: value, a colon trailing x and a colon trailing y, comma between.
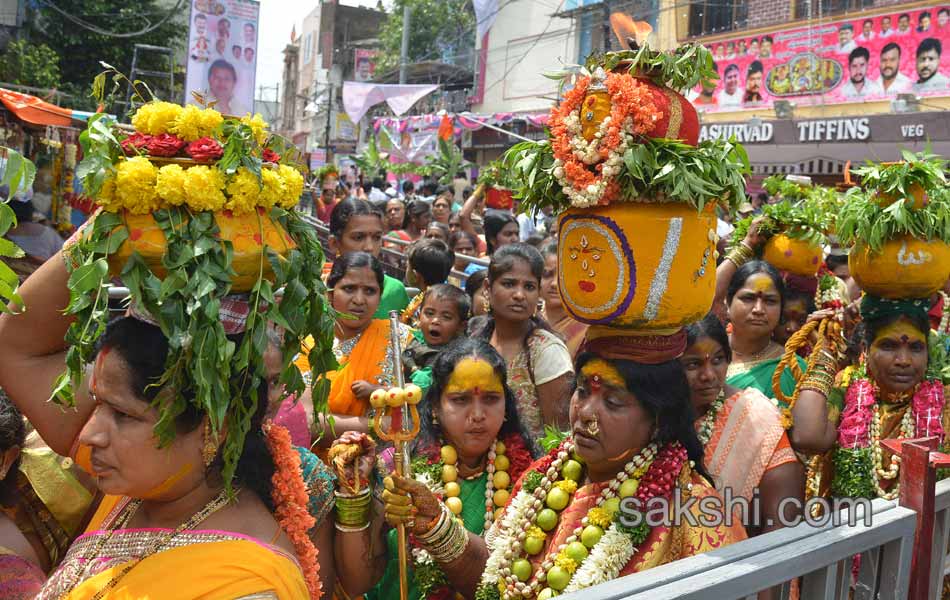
x: 352, y: 511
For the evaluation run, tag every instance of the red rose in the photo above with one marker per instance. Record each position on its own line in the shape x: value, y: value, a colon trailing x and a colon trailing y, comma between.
x: 134, y: 143
x: 204, y: 150
x: 270, y: 156
x: 165, y: 144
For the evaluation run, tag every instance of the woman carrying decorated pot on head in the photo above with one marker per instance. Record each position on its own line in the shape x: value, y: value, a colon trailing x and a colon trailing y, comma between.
x: 897, y: 390
x: 468, y: 454
x: 631, y: 435
x: 199, y: 494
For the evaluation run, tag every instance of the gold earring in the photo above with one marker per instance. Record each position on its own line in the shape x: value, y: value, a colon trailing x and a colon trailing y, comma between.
x: 209, y: 449
x: 486, y: 304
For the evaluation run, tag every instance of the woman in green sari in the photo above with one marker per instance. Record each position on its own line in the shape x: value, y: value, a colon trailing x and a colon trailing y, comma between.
x: 755, y: 299
x: 468, y: 454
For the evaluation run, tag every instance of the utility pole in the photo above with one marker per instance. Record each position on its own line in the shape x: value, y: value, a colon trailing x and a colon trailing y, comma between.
x: 404, y: 51
x: 326, y: 135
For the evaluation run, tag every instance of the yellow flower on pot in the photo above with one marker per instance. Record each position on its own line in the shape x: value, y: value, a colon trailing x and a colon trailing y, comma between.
x: 292, y: 184
x: 194, y: 123
x: 258, y: 125
x: 243, y: 192
x: 135, y: 185
x: 204, y: 188
x: 155, y: 118
x: 274, y: 188
x: 171, y: 184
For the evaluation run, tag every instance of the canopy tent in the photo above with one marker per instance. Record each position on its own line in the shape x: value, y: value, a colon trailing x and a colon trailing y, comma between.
x: 34, y: 111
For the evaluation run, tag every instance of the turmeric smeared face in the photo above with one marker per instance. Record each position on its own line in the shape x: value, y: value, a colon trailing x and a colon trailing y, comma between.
x: 706, y: 366
x: 897, y: 359
x: 757, y: 307
x: 471, y: 409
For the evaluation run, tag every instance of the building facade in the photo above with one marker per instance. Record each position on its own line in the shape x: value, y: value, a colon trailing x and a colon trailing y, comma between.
x: 810, y: 86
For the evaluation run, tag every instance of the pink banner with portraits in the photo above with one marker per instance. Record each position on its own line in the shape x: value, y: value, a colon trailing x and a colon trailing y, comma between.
x: 848, y: 60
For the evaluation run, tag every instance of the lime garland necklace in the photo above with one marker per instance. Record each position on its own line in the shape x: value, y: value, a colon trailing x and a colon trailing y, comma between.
x: 597, y: 549
x: 709, y: 419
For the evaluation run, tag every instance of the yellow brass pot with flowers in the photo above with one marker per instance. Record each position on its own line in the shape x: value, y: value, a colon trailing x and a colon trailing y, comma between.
x: 636, y: 192
x: 186, y: 157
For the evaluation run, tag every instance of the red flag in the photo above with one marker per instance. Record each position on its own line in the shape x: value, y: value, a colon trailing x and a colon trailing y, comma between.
x: 446, y: 130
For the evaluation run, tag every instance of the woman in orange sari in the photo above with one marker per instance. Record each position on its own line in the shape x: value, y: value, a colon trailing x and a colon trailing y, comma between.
x: 362, y: 344
x: 565, y: 528
x: 746, y: 447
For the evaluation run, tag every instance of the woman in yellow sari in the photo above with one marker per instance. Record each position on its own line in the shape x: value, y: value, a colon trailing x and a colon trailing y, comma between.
x: 361, y: 345
x: 565, y: 528
x: 166, y: 523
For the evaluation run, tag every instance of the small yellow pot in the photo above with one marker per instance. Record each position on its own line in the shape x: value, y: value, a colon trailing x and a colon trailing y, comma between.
x: 791, y: 255
x: 649, y: 267
x: 904, y: 268
x: 916, y: 197
x: 248, y: 234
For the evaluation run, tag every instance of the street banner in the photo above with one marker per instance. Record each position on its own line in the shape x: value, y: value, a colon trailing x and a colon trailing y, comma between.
x: 849, y: 60
x: 222, y: 54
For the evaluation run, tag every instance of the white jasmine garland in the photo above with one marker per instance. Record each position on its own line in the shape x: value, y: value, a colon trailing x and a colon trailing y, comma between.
x: 607, y: 558
x: 499, y: 539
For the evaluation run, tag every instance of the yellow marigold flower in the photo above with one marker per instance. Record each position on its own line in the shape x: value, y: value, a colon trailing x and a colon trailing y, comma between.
x: 194, y: 123
x: 203, y: 188
x: 156, y: 118
x: 135, y: 186
x: 106, y: 197
x: 565, y: 562
x: 243, y: 191
x: 274, y: 190
x: 293, y: 186
x: 535, y: 531
x: 257, y: 125
x: 599, y: 517
x: 568, y: 485
x: 171, y: 184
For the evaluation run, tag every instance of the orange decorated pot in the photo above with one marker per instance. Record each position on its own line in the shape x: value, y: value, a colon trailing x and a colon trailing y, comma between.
x: 794, y: 256
x: 248, y: 234
x: 649, y: 267
x: 904, y: 268
x: 678, y: 117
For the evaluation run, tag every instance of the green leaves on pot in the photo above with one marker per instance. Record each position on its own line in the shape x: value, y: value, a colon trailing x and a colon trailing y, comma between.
x: 804, y: 220
x: 222, y: 376
x: 863, y: 220
x: 679, y: 69
x: 924, y: 169
x: 655, y: 169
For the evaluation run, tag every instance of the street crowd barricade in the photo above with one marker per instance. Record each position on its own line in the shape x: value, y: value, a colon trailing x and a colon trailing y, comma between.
x: 903, y: 550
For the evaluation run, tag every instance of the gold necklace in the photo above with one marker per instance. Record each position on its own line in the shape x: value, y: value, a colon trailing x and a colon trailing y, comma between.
x: 755, y: 356
x: 128, y: 512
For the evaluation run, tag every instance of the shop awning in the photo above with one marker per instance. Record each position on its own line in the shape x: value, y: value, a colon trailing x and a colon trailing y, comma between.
x: 35, y: 111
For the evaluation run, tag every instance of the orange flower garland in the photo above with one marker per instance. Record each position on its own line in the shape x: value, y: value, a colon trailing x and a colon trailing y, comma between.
x: 290, y: 502
x: 632, y: 114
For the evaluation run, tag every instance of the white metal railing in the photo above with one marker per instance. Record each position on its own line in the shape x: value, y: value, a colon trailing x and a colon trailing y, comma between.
x: 939, y: 558
x: 821, y: 556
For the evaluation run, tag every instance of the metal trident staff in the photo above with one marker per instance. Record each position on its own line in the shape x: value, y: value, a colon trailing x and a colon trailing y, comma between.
x: 400, y: 437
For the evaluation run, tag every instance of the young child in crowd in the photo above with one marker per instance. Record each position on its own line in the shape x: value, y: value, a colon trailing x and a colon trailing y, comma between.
x: 357, y: 226
x: 430, y: 263
x: 442, y: 318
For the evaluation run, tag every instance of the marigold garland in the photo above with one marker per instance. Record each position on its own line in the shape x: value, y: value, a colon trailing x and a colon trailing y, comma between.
x: 632, y: 114
x: 290, y: 502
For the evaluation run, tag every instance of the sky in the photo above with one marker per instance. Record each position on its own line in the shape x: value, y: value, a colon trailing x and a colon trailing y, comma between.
x: 278, y: 18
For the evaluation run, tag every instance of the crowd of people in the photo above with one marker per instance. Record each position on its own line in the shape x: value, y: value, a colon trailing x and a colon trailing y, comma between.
x: 502, y: 366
